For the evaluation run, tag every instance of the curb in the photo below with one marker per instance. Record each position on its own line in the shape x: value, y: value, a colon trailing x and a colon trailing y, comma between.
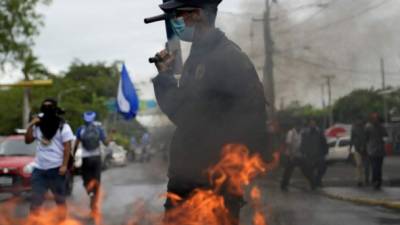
x: 364, y: 201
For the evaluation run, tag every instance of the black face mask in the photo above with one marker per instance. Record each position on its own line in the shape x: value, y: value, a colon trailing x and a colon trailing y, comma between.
x: 50, y: 121
x: 49, y: 110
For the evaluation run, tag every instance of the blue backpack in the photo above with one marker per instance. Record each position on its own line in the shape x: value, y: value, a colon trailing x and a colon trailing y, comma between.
x: 90, y: 137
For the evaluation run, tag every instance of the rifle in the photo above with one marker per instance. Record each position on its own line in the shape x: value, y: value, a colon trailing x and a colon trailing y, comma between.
x: 172, y: 45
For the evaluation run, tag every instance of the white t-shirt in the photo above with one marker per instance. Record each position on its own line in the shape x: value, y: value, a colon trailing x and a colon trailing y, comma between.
x: 293, y: 141
x: 51, y: 156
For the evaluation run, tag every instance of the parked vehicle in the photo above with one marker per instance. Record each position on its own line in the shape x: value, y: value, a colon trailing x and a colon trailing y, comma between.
x: 339, y: 149
x: 143, y: 154
x: 118, y: 156
x: 17, y: 164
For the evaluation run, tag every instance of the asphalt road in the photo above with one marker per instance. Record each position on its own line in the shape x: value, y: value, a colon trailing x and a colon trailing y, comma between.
x: 126, y: 187
x: 302, y: 207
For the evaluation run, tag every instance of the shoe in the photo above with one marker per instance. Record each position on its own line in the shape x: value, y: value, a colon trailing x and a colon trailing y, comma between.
x: 284, y: 189
x: 360, y: 184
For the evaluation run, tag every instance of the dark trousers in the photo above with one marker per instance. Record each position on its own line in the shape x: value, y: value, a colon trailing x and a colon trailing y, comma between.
x: 185, y: 189
x: 367, y: 169
x: 289, y: 168
x: 319, y: 169
x: 91, y: 176
x: 44, y: 180
x: 376, y: 165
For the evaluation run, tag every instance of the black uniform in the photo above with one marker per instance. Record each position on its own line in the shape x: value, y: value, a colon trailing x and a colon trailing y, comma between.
x: 219, y: 100
x: 315, y: 148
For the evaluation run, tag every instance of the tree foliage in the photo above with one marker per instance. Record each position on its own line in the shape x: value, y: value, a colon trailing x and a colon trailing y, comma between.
x: 19, y: 24
x: 297, y: 112
x: 79, y: 90
x: 358, y: 105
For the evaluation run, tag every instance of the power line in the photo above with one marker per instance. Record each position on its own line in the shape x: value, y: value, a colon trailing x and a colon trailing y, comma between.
x: 336, y: 68
x: 302, y: 7
x: 342, y: 20
x: 345, y: 19
x: 318, y: 12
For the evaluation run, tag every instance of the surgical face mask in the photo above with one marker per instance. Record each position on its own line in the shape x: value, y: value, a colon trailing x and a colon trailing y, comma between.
x: 185, y: 33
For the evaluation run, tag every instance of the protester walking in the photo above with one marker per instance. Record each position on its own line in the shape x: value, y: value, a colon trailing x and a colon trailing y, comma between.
x: 315, y: 148
x: 54, y: 137
x: 295, y: 158
x: 358, y: 141
x: 89, y: 136
x: 219, y: 99
x: 375, y: 133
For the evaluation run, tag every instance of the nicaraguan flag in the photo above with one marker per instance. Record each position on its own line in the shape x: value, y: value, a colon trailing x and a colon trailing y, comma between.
x: 127, y: 99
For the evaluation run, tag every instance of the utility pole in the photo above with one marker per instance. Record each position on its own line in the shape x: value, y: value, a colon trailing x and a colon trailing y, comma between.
x: 268, y: 81
x: 329, y: 84
x: 323, y: 96
x: 26, y: 107
x: 385, y: 110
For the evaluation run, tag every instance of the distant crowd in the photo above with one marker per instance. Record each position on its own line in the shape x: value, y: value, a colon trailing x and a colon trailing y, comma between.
x: 305, y: 146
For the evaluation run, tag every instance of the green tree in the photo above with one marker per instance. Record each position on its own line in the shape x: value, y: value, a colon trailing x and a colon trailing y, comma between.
x: 298, y: 112
x: 10, y: 110
x: 358, y: 104
x: 83, y: 87
x: 19, y: 25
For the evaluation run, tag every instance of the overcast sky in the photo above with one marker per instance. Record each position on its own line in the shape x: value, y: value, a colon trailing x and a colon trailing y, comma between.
x: 109, y: 30
x: 102, y: 30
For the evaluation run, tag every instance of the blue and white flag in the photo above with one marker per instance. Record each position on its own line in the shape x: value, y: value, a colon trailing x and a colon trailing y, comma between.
x: 127, y: 99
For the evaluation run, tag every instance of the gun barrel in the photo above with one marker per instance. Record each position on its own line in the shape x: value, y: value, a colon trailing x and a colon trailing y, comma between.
x: 153, y: 60
x: 155, y: 18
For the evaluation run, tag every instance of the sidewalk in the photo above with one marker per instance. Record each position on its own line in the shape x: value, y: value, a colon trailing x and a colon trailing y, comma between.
x: 340, y: 184
x: 391, y: 169
x: 388, y: 197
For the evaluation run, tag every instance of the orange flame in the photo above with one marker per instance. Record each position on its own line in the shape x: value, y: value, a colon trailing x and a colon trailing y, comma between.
x: 96, y: 213
x: 236, y: 169
x: 258, y: 218
x: 232, y: 173
x: 52, y: 216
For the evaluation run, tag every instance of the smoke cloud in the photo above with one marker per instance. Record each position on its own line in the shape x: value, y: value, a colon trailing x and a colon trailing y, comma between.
x: 314, y: 38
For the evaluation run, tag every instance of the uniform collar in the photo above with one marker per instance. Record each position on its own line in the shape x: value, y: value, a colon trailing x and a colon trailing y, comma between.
x: 208, y: 41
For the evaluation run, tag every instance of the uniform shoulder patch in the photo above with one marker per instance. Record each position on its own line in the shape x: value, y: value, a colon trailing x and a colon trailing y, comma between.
x: 200, y: 71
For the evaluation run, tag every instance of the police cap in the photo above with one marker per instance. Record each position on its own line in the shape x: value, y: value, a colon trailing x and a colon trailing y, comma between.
x: 174, y: 4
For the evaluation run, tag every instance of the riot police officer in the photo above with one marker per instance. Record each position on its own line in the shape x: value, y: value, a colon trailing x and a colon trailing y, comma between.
x: 219, y: 99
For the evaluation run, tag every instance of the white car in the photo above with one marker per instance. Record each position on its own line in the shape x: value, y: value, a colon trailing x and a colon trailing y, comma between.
x: 339, y: 149
x: 119, y: 156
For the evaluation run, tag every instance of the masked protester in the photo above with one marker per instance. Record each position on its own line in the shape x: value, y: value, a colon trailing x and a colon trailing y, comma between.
x: 219, y: 99
x: 54, y: 138
x: 90, y: 135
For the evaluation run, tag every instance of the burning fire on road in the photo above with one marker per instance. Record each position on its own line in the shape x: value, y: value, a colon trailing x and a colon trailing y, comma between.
x: 231, y: 175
